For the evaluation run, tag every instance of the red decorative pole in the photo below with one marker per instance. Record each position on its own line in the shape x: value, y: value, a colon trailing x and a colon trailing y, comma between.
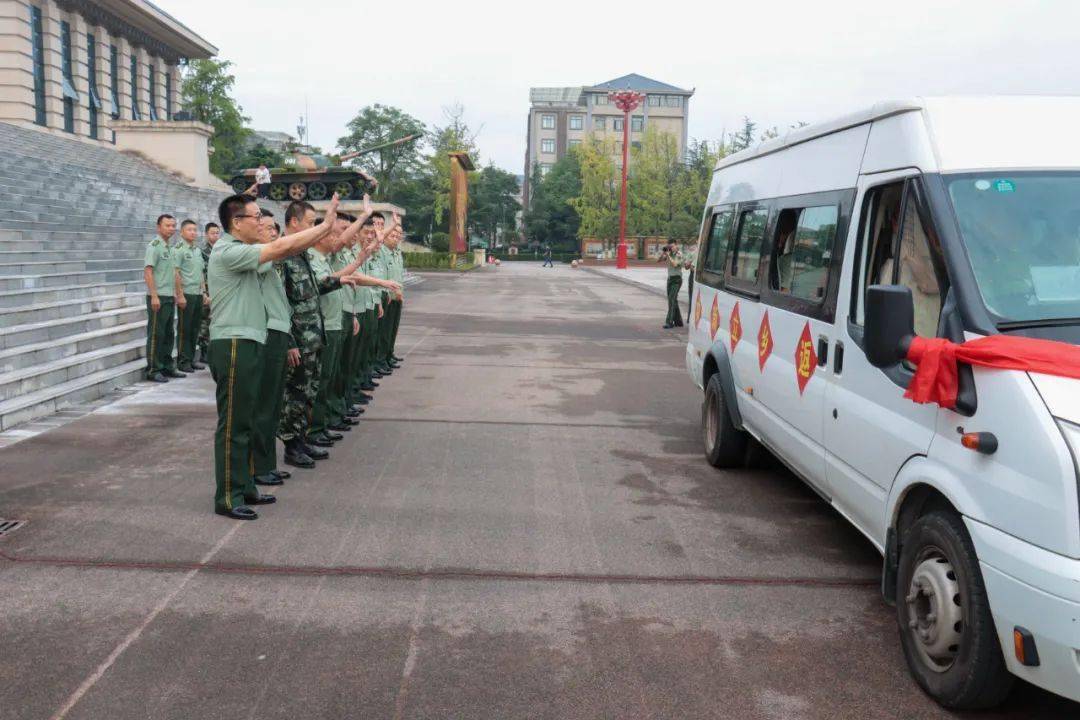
x: 627, y: 101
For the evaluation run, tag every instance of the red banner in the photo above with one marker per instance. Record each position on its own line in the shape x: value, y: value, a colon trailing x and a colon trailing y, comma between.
x: 936, y: 379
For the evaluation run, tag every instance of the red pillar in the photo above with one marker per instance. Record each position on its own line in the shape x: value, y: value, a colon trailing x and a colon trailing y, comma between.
x: 627, y: 101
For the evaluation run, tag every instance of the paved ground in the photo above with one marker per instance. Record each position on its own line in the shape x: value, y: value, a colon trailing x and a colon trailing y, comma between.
x: 522, y: 527
x: 646, y: 277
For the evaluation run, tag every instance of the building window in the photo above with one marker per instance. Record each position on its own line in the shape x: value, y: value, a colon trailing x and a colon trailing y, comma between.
x: 637, y: 124
x: 168, y: 93
x: 673, y: 101
x: 577, y: 122
x: 599, y: 123
x: 574, y: 143
x: 617, y: 124
x: 70, y: 96
x: 152, y: 87
x: 135, y: 114
x: 114, y: 81
x: 655, y: 100
x: 547, y: 146
x: 91, y: 72
x: 38, y: 46
x: 547, y: 122
x: 600, y: 99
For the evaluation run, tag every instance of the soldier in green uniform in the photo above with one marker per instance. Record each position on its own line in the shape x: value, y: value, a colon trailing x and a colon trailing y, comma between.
x: 673, y: 258
x: 397, y: 301
x: 212, y: 232
x: 370, y: 338
x: 188, y: 260
x: 238, y: 330
x: 384, y: 363
x: 163, y: 291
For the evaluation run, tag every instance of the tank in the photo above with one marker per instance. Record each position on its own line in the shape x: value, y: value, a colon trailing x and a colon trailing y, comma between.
x: 317, y: 183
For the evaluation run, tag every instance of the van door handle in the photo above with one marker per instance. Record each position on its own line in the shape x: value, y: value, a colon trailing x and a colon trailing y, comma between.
x: 822, y: 351
x: 838, y: 361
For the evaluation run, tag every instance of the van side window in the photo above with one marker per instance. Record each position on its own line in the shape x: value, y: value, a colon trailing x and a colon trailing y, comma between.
x: 719, y: 239
x: 746, y: 257
x: 917, y: 272
x: 881, y: 220
x: 803, y: 254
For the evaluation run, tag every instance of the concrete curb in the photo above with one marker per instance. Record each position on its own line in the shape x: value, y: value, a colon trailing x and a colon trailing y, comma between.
x: 626, y: 280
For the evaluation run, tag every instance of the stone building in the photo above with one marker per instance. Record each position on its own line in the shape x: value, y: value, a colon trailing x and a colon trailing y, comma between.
x: 82, y: 67
x: 561, y: 117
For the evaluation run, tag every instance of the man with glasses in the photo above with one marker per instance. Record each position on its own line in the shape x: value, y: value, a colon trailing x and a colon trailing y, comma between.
x: 238, y: 328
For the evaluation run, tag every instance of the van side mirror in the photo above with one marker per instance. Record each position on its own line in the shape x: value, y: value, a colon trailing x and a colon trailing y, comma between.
x: 889, y: 325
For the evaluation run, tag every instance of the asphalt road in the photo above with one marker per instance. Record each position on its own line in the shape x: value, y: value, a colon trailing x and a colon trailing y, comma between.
x: 523, y: 526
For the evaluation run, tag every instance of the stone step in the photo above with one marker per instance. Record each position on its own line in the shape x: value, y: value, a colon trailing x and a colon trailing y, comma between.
x: 42, y: 353
x: 66, y: 265
x: 21, y: 298
x: 72, y: 392
x: 31, y: 257
x: 87, y: 277
x: 45, y: 312
x: 32, y: 379
x: 63, y: 327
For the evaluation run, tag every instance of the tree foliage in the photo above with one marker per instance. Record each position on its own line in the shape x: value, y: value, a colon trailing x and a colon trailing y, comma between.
x: 207, y: 95
x: 597, y: 203
x: 552, y: 219
x: 376, y: 125
x: 493, y: 204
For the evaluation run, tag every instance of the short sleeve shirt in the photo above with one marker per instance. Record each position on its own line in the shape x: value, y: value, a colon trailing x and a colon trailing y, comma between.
x: 331, y: 302
x: 675, y: 263
x: 236, y: 299
x: 189, y: 261
x: 278, y: 309
x: 159, y: 257
x: 262, y: 176
x: 338, y: 261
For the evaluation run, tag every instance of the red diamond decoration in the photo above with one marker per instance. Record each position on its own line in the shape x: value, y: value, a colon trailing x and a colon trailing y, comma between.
x: 735, y: 327
x: 714, y: 319
x: 806, y: 358
x: 764, y: 342
x: 697, y: 310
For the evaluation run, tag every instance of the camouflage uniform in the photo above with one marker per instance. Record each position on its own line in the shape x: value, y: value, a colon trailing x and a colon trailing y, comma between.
x: 309, y: 334
x: 204, y: 327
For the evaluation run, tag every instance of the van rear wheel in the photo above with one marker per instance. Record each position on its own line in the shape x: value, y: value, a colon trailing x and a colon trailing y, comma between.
x: 946, y: 629
x: 725, y: 445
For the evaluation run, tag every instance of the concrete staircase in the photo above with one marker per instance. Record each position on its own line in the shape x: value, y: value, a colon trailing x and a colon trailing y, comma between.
x: 74, y: 223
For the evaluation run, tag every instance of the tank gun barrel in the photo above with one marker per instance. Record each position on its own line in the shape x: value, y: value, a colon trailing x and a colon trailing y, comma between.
x: 400, y: 141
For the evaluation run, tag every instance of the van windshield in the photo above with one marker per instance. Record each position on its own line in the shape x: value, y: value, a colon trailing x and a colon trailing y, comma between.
x: 1022, y: 233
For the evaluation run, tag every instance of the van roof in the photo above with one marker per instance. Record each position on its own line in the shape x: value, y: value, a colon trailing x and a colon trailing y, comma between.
x: 948, y: 114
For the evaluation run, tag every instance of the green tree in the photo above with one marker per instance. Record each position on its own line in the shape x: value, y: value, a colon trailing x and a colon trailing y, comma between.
x: 454, y: 136
x: 376, y: 125
x: 493, y: 203
x: 662, y: 192
x: 552, y: 218
x: 745, y: 137
x: 207, y: 95
x: 597, y: 202
x: 259, y: 154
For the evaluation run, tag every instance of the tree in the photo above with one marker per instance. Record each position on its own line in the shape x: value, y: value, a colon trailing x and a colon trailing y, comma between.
x: 454, y: 136
x: 745, y: 137
x: 493, y: 202
x: 662, y: 189
x: 597, y: 202
x: 378, y: 124
x: 259, y: 154
x: 206, y: 90
x: 552, y: 219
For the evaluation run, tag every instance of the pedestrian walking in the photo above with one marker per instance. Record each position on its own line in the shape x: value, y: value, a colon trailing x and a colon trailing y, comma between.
x: 547, y: 257
x: 674, y: 260
x: 238, y: 330
x: 188, y: 260
x: 163, y: 292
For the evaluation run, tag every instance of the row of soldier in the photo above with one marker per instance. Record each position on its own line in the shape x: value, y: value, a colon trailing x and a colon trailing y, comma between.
x: 299, y: 326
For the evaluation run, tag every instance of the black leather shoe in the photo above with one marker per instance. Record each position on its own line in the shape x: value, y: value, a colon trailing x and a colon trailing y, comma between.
x: 352, y: 413
x: 240, y: 512
x: 299, y: 459
x: 335, y: 436
x: 158, y: 378
x: 377, y: 374
x: 198, y: 365
x: 281, y: 474
x: 668, y: 326
x: 320, y: 440
x: 315, y: 453
x: 174, y: 374
x: 362, y: 399
x: 339, y: 427
x: 369, y: 386
x: 186, y: 369
x: 350, y: 421
x: 262, y: 499
x: 397, y: 359
x: 393, y: 365
x: 268, y: 479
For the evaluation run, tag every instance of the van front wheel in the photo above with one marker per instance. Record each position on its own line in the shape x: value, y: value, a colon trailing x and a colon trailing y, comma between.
x: 725, y: 445
x: 947, y: 632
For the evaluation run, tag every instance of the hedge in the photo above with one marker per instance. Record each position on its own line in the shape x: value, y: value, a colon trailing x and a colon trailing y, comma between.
x: 436, y: 261
x: 536, y: 257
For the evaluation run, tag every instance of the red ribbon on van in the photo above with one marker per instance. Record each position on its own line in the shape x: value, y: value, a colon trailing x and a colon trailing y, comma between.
x: 936, y: 378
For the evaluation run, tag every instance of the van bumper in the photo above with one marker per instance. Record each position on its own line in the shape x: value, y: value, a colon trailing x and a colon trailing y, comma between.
x: 1037, y: 590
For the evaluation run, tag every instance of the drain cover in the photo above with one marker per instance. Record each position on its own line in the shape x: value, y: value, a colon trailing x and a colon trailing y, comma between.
x: 9, y: 526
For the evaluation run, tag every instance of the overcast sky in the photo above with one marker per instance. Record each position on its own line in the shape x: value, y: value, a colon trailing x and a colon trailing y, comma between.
x: 777, y: 62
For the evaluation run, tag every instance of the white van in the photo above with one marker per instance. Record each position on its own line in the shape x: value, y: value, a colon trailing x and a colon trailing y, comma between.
x: 824, y: 249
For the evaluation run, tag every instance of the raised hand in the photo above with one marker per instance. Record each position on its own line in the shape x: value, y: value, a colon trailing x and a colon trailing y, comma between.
x: 331, y: 210
x: 367, y: 205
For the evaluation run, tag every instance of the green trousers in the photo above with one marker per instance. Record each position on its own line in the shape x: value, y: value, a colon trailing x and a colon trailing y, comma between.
x: 270, y: 400
x: 369, y: 328
x: 159, y: 336
x: 674, y: 314
x: 397, y: 307
x: 322, y: 416
x: 386, y: 329
x: 350, y: 345
x: 188, y: 320
x: 235, y: 366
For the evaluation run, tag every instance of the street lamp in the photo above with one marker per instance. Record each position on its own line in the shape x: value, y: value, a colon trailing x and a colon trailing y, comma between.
x: 627, y: 101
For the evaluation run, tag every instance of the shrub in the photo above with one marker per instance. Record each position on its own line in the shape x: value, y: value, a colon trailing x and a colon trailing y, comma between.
x: 440, y: 242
